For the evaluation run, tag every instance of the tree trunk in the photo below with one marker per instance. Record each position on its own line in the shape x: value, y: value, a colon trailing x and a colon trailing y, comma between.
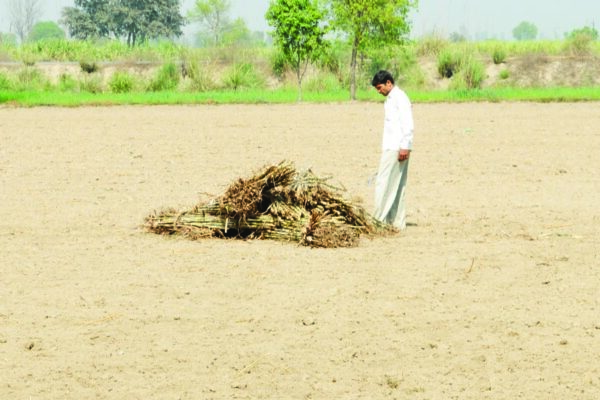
x: 353, y: 69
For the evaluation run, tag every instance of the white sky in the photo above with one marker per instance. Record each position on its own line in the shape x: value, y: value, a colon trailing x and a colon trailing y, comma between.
x: 476, y: 18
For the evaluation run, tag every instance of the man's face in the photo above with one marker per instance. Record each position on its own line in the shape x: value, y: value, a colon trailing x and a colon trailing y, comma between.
x: 384, y: 88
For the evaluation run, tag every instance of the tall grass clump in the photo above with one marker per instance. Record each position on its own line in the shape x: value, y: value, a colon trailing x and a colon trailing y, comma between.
x: 579, y: 44
x: 498, y: 55
x: 91, y: 84
x: 471, y: 74
x: 448, y: 62
x: 243, y: 76
x: 5, y: 82
x: 121, y: 82
x: 166, y: 78
x: 431, y: 45
x: 199, y: 77
x: 66, y: 83
x: 30, y: 79
x: 323, y: 81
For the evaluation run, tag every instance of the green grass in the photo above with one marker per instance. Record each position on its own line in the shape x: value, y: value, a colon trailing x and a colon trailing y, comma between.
x: 65, y: 99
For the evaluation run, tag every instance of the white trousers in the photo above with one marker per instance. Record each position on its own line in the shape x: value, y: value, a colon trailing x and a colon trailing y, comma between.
x: 389, y: 190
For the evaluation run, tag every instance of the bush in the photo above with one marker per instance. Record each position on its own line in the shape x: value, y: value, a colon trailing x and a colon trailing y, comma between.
x: 88, y: 66
x: 447, y: 64
x: 322, y: 82
x: 121, y: 82
x: 470, y: 75
x: 498, y: 55
x: 91, y: 84
x: 30, y: 78
x: 242, y: 75
x: 504, y: 74
x: 66, y: 83
x: 431, y: 45
x: 278, y: 64
x: 579, y: 43
x: 167, y: 78
x: 5, y: 83
x: 199, y: 79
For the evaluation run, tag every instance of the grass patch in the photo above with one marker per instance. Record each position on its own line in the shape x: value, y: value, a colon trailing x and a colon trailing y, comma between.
x: 290, y: 95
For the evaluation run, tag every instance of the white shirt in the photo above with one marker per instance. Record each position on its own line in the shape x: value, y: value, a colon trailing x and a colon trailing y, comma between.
x: 398, y: 124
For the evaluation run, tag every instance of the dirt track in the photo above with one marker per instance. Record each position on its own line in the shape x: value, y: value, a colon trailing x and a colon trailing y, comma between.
x: 492, y: 292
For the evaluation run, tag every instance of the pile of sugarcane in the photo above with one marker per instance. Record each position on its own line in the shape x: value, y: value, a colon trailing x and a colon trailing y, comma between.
x: 277, y: 203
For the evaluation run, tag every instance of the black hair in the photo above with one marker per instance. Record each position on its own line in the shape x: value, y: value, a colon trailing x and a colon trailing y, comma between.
x: 382, y: 77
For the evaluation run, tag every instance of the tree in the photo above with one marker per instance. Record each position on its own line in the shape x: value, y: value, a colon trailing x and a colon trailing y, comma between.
x: 23, y: 15
x: 46, y: 30
x: 587, y: 31
x: 369, y: 23
x: 299, y: 33
x: 140, y: 20
x: 133, y: 20
x: 525, y: 31
x: 88, y: 19
x: 212, y: 15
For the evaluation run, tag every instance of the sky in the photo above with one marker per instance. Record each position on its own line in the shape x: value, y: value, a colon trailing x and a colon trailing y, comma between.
x: 475, y: 19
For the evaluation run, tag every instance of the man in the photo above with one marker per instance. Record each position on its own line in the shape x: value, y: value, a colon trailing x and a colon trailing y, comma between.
x: 396, y: 146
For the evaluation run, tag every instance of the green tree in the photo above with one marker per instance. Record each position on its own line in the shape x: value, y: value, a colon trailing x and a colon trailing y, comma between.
x: 140, y: 20
x: 299, y: 33
x: 368, y: 23
x: 588, y: 31
x: 212, y: 16
x: 525, y: 31
x: 88, y: 19
x: 46, y: 30
x: 133, y: 20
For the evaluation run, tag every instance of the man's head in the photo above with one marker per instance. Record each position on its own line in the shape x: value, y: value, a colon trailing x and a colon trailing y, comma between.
x: 383, y: 81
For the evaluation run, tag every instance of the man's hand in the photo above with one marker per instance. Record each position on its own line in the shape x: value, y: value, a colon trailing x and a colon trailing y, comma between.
x: 403, y: 155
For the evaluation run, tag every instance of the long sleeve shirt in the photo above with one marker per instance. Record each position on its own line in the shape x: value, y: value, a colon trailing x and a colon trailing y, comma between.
x: 398, y: 125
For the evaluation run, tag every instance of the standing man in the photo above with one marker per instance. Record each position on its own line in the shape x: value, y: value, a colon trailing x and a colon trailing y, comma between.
x: 396, y: 146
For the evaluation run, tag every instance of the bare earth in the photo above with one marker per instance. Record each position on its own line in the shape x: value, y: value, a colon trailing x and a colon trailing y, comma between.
x: 491, y: 293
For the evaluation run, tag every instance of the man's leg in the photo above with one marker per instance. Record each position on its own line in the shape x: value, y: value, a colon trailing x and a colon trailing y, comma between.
x: 387, y: 184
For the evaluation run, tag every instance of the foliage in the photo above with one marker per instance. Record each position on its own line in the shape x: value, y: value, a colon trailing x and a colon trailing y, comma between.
x: 499, y: 55
x: 589, y: 31
x: 136, y: 21
x: 368, y: 23
x: 66, y: 83
x: 30, y: 78
x: 88, y: 66
x: 298, y: 33
x: 447, y: 63
x: 431, y: 45
x: 5, y: 82
x: 47, y: 30
x: 470, y: 74
x: 23, y: 14
x: 8, y: 39
x: 242, y: 76
x: 199, y: 79
x: 166, y: 78
x: 212, y: 16
x: 121, y: 82
x: 579, y: 42
x: 525, y: 31
x: 91, y: 84
x: 504, y: 74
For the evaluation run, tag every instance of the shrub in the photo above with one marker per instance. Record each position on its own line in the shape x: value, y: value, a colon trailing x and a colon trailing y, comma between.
x: 498, y: 55
x: 470, y: 75
x: 166, y: 78
x: 5, y: 82
x: 88, y: 66
x: 579, y: 43
x: 121, y: 82
x: 66, y: 83
x: 278, y: 63
x: 447, y: 63
x: 322, y: 82
x: 431, y: 45
x: 504, y: 74
x: 242, y: 75
x: 91, y: 84
x: 199, y: 78
x: 30, y: 78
